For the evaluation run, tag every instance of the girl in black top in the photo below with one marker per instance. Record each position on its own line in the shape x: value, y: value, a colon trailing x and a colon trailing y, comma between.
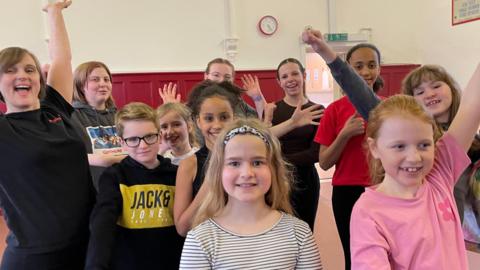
x: 297, y: 145
x: 212, y: 108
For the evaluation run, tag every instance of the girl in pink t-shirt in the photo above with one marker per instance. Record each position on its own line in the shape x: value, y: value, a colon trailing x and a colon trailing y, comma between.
x: 409, y: 219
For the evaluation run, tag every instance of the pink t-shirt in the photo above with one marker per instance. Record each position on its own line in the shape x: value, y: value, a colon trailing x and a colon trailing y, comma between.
x: 420, y: 233
x: 351, y: 167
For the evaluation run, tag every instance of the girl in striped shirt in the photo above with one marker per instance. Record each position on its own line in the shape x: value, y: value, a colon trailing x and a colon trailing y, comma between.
x: 246, y: 221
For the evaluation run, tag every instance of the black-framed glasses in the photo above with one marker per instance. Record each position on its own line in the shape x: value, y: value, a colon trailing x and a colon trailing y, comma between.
x: 135, y: 141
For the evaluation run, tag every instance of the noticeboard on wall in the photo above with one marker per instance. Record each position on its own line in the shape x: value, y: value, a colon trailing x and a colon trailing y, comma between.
x: 465, y: 11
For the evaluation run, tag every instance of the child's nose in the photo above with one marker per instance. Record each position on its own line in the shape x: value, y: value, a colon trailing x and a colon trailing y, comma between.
x: 414, y: 155
x: 247, y: 171
x: 429, y: 92
x: 217, y: 124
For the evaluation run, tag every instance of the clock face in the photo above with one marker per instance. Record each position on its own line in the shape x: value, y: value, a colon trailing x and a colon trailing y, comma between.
x: 268, y: 25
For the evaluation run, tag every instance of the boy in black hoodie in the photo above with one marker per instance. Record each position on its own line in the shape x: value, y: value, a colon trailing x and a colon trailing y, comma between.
x: 132, y: 223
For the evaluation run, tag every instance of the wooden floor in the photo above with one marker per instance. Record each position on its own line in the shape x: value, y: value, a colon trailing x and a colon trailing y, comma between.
x: 325, y: 232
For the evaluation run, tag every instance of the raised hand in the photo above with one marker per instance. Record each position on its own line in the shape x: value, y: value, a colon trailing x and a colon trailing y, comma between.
x: 60, y: 75
x: 60, y: 4
x: 251, y: 84
x: 164, y: 147
x: 315, y: 39
x: 306, y: 116
x: 268, y: 113
x: 354, y: 125
x: 169, y: 93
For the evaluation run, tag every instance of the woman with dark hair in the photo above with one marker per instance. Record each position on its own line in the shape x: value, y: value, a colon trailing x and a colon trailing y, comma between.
x: 45, y: 187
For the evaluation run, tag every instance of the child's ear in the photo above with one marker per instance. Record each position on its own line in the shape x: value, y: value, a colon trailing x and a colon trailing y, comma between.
x: 372, y: 147
x: 197, y: 120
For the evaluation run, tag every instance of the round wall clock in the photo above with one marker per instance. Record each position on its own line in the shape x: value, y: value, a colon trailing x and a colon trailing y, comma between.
x: 268, y: 25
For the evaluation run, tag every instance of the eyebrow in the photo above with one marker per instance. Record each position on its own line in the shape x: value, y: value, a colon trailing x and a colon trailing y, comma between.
x: 238, y: 158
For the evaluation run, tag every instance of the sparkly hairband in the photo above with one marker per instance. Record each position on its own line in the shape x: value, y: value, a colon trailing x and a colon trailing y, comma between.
x: 243, y: 130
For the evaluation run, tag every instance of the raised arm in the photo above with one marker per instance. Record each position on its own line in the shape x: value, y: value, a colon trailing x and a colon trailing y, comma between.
x: 60, y: 74
x: 357, y: 90
x: 465, y: 124
x: 252, y: 85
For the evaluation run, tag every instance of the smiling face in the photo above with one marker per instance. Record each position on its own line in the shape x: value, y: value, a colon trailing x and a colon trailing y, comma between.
x: 20, y: 85
x: 145, y: 154
x: 219, y: 72
x: 291, y: 79
x: 365, y: 63
x: 98, y: 88
x: 405, y: 148
x: 436, y: 98
x: 246, y: 175
x: 174, y: 130
x: 215, y: 113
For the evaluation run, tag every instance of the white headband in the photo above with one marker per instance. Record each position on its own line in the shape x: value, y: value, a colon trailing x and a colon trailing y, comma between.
x: 243, y: 130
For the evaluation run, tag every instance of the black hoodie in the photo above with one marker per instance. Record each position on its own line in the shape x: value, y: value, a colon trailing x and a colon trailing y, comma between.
x: 98, y: 132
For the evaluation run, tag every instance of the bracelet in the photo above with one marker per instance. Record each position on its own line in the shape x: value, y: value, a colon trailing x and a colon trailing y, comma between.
x: 257, y: 98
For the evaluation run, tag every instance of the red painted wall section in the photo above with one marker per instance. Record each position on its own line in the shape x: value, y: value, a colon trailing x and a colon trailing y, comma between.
x: 143, y: 87
x: 393, y: 76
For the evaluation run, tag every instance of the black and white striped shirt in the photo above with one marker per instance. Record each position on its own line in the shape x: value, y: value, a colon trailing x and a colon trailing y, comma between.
x: 289, y: 244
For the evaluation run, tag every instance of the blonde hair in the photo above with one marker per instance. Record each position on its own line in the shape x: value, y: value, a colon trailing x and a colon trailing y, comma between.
x: 80, y: 79
x: 184, y: 112
x: 397, y: 105
x: 278, y: 195
x: 135, y: 111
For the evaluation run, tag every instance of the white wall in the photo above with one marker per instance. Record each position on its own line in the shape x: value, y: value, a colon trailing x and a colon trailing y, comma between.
x: 21, y: 24
x: 411, y: 31
x: 172, y: 35
x: 394, y: 26
x: 167, y: 35
x: 457, y: 48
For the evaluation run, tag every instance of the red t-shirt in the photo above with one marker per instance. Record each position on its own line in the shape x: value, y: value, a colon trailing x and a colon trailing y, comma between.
x: 351, y: 168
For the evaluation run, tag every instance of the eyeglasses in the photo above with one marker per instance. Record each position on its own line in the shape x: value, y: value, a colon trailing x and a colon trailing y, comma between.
x: 135, y: 141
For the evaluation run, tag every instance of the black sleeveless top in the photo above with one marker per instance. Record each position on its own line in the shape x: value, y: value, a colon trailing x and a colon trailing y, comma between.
x: 202, y: 156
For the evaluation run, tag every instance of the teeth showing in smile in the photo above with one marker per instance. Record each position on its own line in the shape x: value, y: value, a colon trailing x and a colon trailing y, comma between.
x: 433, y: 102
x: 411, y: 169
x: 292, y: 85
x: 246, y: 185
x: 172, y: 139
x: 22, y: 87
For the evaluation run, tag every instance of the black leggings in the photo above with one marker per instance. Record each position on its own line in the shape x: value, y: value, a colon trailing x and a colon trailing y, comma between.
x: 304, y: 194
x: 71, y: 258
x: 343, y: 199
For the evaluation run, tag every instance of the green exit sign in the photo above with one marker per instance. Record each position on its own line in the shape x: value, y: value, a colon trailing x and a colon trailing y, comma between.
x: 336, y: 37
